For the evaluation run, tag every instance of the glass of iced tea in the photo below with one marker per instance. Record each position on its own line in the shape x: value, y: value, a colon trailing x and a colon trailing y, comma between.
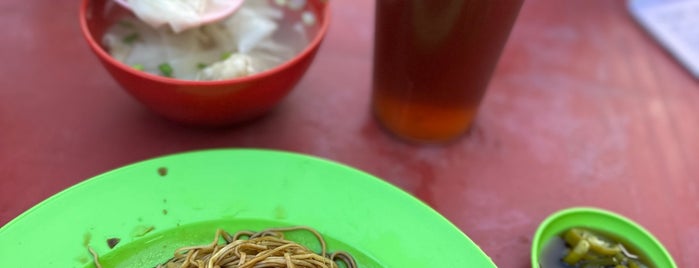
x: 433, y: 60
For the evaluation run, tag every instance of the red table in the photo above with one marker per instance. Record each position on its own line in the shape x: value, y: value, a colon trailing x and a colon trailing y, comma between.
x: 584, y: 109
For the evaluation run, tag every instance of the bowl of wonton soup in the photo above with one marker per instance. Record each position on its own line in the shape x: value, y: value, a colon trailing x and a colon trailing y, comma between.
x: 218, y: 74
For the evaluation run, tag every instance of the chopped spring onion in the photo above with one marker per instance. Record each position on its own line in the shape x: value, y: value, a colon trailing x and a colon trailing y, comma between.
x: 226, y: 55
x: 165, y: 69
x: 129, y: 39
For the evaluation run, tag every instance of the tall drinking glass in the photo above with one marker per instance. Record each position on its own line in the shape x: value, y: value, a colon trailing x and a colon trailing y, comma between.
x: 433, y: 60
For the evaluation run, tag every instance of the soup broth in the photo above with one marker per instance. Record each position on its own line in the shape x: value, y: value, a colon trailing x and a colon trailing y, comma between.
x: 258, y: 37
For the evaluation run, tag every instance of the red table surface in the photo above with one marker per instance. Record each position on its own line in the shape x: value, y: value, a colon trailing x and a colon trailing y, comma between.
x: 584, y: 109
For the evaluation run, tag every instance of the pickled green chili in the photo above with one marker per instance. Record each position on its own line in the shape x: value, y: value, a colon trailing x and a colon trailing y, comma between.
x: 590, y: 249
x: 597, y: 244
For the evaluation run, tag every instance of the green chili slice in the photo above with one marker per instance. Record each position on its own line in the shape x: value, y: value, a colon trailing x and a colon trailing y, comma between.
x: 577, y: 252
x: 597, y: 244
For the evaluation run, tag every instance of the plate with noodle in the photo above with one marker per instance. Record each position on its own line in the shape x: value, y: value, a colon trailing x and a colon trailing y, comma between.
x: 235, y: 208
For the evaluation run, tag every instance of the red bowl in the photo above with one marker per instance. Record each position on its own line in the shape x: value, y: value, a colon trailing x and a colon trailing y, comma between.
x: 208, y: 103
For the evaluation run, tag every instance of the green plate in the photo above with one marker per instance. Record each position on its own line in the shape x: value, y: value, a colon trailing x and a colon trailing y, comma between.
x: 183, y: 198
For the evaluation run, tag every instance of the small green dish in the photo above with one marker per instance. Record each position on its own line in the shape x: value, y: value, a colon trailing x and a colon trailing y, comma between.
x: 601, y: 220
